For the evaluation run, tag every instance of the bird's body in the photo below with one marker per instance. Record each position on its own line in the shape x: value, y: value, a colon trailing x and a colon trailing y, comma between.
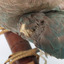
x: 45, y: 29
x: 47, y: 32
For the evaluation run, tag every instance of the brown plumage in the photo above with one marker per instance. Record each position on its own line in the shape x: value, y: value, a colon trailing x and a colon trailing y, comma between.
x: 45, y: 29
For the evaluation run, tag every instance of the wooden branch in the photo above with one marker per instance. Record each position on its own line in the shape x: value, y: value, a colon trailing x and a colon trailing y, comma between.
x: 17, y: 44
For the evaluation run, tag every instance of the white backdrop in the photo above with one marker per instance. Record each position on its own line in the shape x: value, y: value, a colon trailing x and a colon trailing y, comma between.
x: 5, y: 52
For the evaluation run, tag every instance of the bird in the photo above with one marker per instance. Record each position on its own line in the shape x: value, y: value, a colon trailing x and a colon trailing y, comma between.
x: 45, y: 29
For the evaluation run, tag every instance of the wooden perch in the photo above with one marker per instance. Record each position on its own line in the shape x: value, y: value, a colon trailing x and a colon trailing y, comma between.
x: 17, y: 44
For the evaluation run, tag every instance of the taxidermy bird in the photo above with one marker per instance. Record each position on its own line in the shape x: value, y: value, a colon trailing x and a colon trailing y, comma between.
x: 46, y: 29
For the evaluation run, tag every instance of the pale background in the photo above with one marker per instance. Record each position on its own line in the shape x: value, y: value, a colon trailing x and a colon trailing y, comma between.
x: 5, y: 52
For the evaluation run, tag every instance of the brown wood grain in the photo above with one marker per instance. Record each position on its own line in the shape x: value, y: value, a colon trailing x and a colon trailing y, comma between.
x: 16, y: 44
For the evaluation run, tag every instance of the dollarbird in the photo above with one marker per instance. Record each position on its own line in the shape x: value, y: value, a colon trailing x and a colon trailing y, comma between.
x: 45, y: 28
